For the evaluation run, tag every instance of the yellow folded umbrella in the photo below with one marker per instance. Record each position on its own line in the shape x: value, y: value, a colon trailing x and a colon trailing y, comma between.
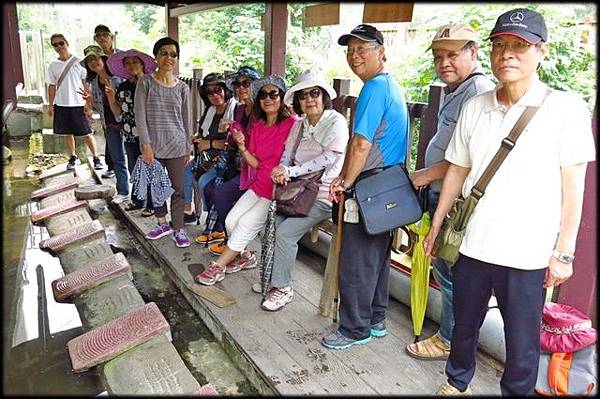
x: 419, y: 277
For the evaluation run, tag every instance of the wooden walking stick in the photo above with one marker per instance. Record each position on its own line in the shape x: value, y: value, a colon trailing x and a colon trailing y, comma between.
x: 338, y: 252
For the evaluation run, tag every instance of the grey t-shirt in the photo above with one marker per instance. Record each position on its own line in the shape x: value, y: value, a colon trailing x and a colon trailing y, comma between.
x: 448, y: 115
x: 162, y: 117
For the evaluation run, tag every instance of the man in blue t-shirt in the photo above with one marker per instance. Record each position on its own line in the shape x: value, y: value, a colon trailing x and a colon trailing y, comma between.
x: 380, y: 139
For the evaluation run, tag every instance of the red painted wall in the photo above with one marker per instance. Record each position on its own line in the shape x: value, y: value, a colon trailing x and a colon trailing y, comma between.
x: 580, y: 290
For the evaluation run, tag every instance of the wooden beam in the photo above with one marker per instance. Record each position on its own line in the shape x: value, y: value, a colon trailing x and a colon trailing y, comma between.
x: 579, y: 291
x: 11, y: 51
x: 276, y: 21
x: 172, y: 25
x: 322, y: 14
x: 189, y: 9
x: 387, y: 12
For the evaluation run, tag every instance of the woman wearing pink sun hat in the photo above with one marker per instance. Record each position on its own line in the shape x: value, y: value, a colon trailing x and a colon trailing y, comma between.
x: 131, y: 65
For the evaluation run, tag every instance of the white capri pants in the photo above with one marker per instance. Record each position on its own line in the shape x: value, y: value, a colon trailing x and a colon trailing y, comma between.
x: 246, y: 219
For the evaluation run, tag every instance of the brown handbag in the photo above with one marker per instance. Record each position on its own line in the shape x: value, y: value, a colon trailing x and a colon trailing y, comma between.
x: 297, y: 197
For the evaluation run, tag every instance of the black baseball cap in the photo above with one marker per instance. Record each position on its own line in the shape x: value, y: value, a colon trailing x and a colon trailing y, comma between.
x: 521, y: 22
x: 101, y: 28
x: 368, y: 33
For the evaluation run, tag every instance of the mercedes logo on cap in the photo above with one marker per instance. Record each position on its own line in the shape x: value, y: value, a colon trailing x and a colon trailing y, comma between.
x: 516, y: 17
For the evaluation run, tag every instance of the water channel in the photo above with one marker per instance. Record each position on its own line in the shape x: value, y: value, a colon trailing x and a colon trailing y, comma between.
x: 36, y: 329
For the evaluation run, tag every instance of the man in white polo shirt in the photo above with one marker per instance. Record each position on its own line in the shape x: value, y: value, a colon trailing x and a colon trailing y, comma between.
x: 522, y: 234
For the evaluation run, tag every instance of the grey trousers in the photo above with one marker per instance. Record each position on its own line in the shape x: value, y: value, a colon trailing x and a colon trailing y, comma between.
x: 288, y: 231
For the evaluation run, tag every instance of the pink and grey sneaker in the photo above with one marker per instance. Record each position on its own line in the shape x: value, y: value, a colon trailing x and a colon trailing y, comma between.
x: 277, y: 298
x: 212, y: 274
x: 245, y: 260
x: 181, y: 238
x: 159, y: 231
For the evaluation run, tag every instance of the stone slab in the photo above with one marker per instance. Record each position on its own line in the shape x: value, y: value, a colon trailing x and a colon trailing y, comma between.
x: 78, y: 256
x: 84, y: 232
x: 60, y: 198
x: 67, y: 221
x: 90, y: 276
x: 96, y: 191
x: 39, y: 216
x: 58, y: 170
x: 108, y: 301
x: 112, y: 339
x: 206, y: 390
x: 67, y: 184
x: 152, y: 368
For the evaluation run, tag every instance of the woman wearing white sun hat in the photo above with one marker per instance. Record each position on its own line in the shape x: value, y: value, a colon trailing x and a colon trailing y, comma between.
x: 323, y: 135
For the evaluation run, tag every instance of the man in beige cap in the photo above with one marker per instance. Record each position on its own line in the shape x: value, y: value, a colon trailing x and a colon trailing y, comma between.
x: 454, y: 49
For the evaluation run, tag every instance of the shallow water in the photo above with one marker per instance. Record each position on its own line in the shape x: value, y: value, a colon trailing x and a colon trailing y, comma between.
x: 36, y: 329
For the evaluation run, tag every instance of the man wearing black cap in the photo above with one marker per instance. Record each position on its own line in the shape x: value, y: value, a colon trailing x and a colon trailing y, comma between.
x: 104, y: 37
x: 521, y: 237
x: 379, y: 140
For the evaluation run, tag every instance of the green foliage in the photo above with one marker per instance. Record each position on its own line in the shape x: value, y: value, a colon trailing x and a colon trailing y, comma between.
x: 141, y: 14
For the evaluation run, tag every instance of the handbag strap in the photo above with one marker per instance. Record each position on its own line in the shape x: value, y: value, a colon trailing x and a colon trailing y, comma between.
x: 508, y: 143
x: 297, y: 144
x: 65, y: 70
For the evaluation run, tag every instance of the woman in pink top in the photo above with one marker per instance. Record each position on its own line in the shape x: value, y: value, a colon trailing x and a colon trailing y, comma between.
x: 261, y: 154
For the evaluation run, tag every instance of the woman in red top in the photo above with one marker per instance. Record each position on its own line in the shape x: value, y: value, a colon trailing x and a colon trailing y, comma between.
x: 261, y: 154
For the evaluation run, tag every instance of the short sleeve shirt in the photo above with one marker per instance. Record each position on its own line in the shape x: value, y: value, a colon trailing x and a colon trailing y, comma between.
x: 66, y: 95
x: 381, y: 117
x: 447, y: 117
x: 516, y: 222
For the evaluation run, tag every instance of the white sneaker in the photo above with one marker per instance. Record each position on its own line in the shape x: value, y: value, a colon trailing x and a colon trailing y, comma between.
x: 278, y: 298
x: 119, y: 198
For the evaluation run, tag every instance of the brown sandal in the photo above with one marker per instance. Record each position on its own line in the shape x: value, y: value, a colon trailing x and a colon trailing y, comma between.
x: 431, y: 348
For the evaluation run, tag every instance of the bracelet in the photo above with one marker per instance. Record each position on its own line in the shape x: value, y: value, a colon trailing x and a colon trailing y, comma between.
x: 243, y: 150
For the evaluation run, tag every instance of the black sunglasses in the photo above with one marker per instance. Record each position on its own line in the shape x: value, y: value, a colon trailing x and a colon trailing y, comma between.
x: 214, y: 91
x: 245, y: 84
x: 314, y: 93
x: 56, y: 44
x: 171, y: 54
x: 272, y: 94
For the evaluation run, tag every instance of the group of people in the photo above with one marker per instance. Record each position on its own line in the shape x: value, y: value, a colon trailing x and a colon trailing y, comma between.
x: 258, y: 133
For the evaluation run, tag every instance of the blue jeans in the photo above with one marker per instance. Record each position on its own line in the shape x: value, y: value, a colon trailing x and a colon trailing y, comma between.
x: 188, y: 183
x: 443, y: 275
x: 114, y: 143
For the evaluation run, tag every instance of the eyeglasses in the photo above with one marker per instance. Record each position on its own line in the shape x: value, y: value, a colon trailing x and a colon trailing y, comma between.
x: 214, y: 92
x: 262, y: 95
x: 361, y: 50
x: 102, y: 34
x: 132, y: 62
x: 171, y: 54
x: 244, y: 83
x: 56, y: 44
x: 517, y: 46
x: 314, y: 93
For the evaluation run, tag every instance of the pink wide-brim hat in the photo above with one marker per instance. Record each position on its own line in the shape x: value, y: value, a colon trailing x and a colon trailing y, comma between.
x: 115, y: 63
x: 565, y: 329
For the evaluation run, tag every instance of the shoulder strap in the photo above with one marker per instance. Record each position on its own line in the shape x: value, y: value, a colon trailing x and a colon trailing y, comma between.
x: 297, y: 144
x: 508, y: 143
x: 65, y: 70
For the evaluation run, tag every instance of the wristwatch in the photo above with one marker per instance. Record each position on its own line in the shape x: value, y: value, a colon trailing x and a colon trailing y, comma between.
x: 564, y: 258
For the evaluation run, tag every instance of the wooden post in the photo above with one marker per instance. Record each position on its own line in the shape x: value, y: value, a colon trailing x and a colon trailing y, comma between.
x: 11, y: 51
x: 580, y: 290
x: 197, y: 104
x: 429, y: 121
x: 172, y: 24
x: 276, y: 16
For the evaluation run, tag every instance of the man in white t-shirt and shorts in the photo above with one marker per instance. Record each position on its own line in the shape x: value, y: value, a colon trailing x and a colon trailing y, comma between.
x: 522, y: 234
x: 65, y: 103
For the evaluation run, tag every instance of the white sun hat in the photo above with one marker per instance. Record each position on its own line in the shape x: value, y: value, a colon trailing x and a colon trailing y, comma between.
x: 309, y: 78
